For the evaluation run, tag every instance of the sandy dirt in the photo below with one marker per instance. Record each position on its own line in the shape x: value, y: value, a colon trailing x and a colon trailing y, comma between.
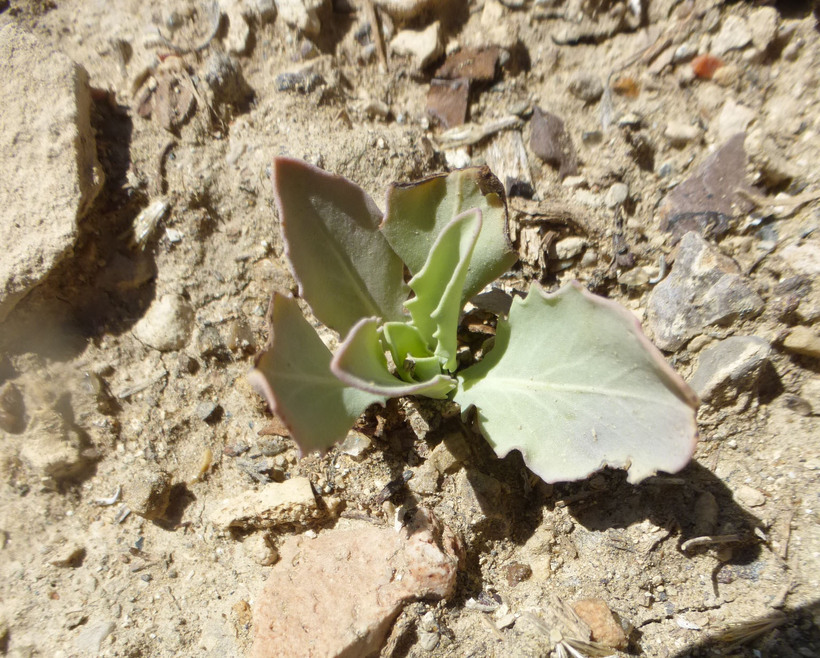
x: 83, y: 576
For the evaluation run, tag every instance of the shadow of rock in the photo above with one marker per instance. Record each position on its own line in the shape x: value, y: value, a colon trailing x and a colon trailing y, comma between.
x: 179, y: 500
x: 105, y: 285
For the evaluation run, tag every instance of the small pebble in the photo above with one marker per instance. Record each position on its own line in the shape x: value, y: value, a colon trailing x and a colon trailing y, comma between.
x: 167, y: 324
x: 586, y: 87
x: 223, y: 75
x: 810, y: 391
x: 575, y: 181
x: 517, y: 572
x: 684, y: 53
x: 237, y: 38
x: 266, y: 9
x: 634, y: 278
x: 209, y: 342
x: 149, y: 494
x: 750, y: 497
x: 89, y: 641
x: 259, y: 547
x: 616, y: 195
x: 734, y: 34
x: 763, y: 26
x: 240, y: 336
x: 802, y: 340
x: 705, y: 66
x: 797, y: 404
x: 569, y: 247
x: 424, y: 46
x: 792, y: 50
x: 680, y: 134
x: 425, y: 479
x: 206, y: 410
x: 355, y: 444
x: 187, y: 364
x: 592, y: 137
x: 627, y: 86
x: 302, y: 82
x: 602, y: 623
x: 630, y: 120
x: 550, y: 141
x: 377, y: 109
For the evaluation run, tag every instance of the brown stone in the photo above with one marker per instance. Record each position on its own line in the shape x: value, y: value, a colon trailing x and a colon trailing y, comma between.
x: 474, y: 64
x: 551, y: 142
x: 709, y: 199
x: 447, y: 101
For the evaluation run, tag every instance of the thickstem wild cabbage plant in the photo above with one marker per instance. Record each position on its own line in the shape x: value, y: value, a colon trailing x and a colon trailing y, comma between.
x: 571, y: 381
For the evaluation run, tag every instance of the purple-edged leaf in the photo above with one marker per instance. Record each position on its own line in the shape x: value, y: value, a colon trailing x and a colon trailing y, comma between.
x: 345, y: 268
x: 360, y: 362
x: 573, y: 383
x: 294, y: 376
x: 439, y: 285
x: 418, y: 212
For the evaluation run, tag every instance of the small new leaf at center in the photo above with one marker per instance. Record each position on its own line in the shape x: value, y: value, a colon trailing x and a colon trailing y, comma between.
x: 360, y: 362
x: 439, y: 286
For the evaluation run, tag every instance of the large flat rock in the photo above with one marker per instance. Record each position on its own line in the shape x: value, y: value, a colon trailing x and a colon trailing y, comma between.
x: 48, y: 159
x: 336, y: 595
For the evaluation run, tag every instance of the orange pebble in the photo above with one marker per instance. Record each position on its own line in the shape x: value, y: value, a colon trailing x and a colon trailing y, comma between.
x: 705, y: 66
x: 627, y: 86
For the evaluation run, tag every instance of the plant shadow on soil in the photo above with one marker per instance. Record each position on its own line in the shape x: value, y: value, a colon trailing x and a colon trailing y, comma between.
x: 693, y: 503
x: 791, y: 634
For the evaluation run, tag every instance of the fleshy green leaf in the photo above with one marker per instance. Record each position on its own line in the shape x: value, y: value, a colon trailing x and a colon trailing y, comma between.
x: 345, y: 267
x: 360, y: 362
x: 407, y: 346
x: 294, y: 376
x: 573, y: 383
x: 418, y: 212
x: 439, y: 285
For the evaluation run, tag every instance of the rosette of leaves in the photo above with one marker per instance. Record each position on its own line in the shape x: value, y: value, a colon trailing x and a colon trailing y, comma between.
x: 571, y: 381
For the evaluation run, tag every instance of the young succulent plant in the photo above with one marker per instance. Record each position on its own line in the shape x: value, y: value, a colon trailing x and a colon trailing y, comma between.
x: 571, y: 381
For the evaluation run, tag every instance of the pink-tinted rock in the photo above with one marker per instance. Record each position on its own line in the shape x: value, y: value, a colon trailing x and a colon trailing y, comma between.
x: 602, y: 623
x: 708, y: 200
x: 337, y: 595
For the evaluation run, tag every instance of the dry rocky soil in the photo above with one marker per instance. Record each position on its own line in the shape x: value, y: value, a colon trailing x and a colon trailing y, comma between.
x: 664, y: 153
